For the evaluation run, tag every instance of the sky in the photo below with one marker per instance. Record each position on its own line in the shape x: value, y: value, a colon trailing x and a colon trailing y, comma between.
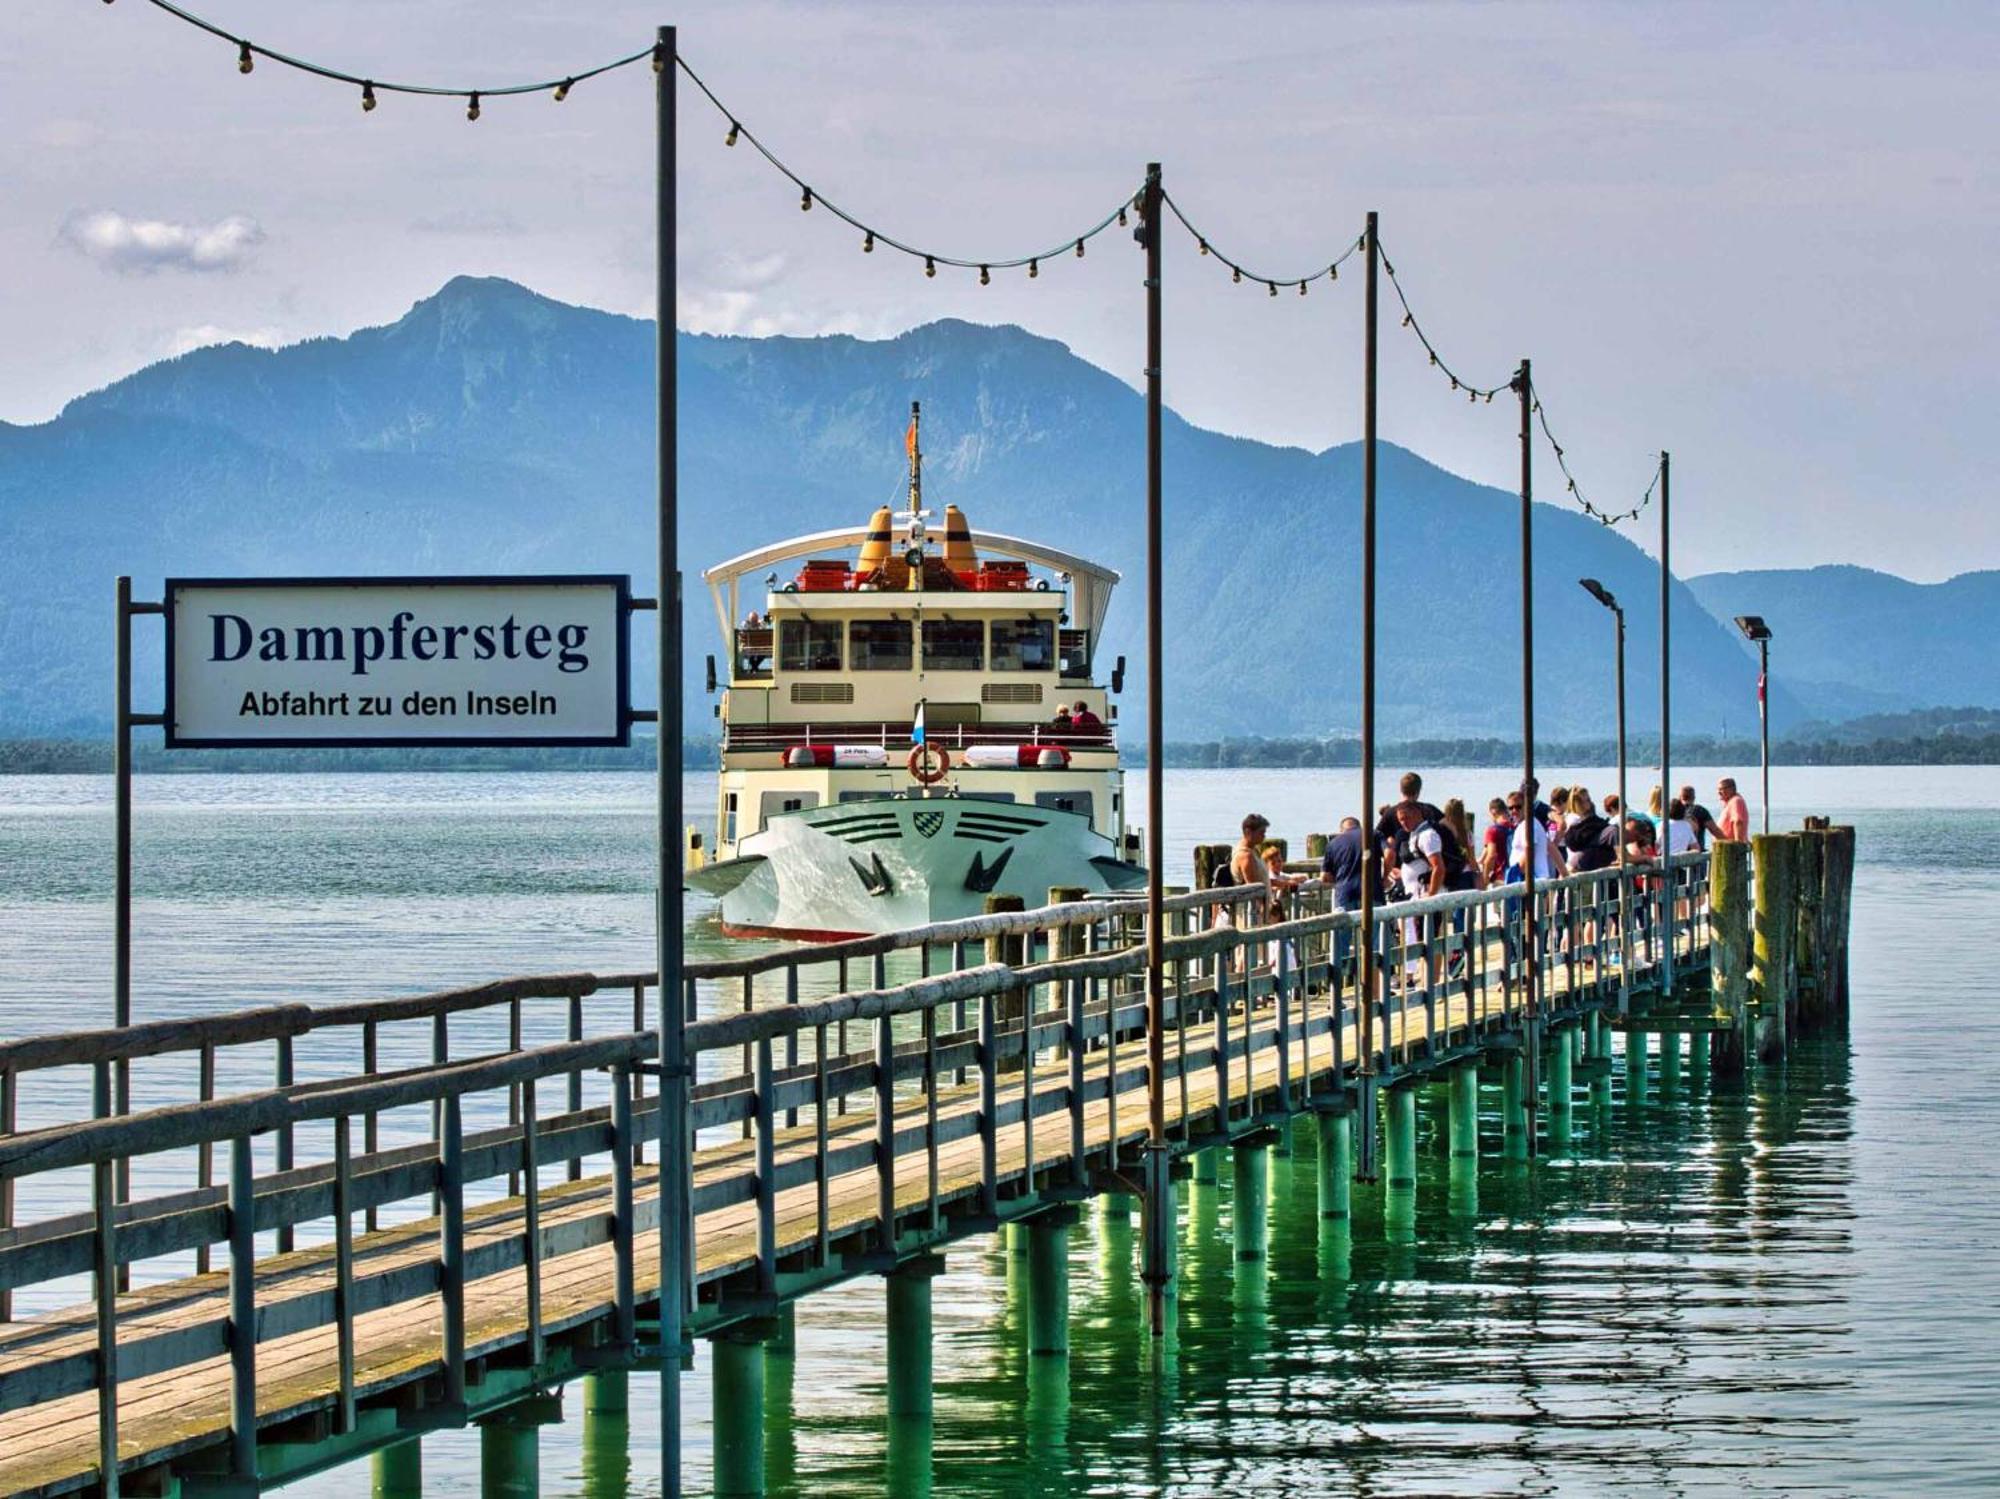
x: 1761, y: 236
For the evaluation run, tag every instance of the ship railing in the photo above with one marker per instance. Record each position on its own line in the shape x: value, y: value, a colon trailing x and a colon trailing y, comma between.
x: 776, y: 738
x: 1264, y: 1015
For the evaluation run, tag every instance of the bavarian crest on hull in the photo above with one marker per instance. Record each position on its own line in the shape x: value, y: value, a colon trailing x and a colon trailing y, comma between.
x: 911, y: 722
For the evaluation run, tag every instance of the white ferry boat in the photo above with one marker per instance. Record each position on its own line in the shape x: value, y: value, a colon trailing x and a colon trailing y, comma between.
x: 910, y: 727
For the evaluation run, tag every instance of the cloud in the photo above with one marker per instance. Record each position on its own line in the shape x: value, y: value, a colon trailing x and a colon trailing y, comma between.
x: 139, y: 247
x: 476, y: 222
x: 202, y: 335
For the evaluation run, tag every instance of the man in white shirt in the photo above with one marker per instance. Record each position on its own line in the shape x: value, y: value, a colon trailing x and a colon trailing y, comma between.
x: 1548, y: 861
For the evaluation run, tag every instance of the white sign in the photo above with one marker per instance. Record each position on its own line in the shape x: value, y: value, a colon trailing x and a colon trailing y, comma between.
x: 397, y: 661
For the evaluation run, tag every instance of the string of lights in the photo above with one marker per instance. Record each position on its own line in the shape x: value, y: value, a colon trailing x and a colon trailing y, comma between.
x: 871, y: 237
x: 247, y: 53
x: 1238, y: 272
x: 1458, y: 382
x: 1603, y: 517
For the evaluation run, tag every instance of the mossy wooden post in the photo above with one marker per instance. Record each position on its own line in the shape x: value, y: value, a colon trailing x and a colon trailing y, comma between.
x: 1729, y: 952
x: 1839, y: 907
x: 1776, y: 932
x: 1808, y: 848
x: 1010, y: 1007
x: 1316, y: 846
x: 1206, y: 857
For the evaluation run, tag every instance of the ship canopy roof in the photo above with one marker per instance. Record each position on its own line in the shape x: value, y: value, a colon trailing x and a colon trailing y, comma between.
x: 1090, y: 582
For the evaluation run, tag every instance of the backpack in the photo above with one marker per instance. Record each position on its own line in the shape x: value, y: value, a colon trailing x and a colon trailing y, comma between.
x: 1455, y: 863
x: 1222, y: 876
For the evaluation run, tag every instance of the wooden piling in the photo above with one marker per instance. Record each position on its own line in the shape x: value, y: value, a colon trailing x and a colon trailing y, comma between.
x: 1316, y: 846
x: 1808, y: 873
x: 1206, y: 857
x: 1775, y: 935
x: 1729, y: 951
x: 1839, y: 912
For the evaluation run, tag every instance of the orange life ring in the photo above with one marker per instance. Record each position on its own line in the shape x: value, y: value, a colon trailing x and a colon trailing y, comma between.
x: 929, y: 762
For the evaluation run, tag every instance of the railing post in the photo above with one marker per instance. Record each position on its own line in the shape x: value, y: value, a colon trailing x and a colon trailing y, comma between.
x: 531, y: 1217
x: 104, y: 1261
x: 989, y: 1111
x: 451, y: 1247
x: 242, y: 1312
x: 623, y: 1227
x: 343, y: 1268
x: 767, y: 1185
x: 885, y: 1134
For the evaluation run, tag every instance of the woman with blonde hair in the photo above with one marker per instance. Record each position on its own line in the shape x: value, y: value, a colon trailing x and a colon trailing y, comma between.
x: 1460, y: 824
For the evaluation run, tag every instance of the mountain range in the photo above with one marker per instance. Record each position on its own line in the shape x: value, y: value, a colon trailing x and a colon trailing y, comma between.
x: 493, y: 429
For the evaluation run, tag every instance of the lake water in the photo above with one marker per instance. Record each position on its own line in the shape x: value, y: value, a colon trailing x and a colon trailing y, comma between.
x: 1789, y: 1286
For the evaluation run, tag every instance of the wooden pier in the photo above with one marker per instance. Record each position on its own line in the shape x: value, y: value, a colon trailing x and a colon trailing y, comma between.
x: 347, y: 1304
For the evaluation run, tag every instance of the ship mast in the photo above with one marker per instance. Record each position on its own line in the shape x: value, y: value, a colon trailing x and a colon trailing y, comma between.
x: 916, y: 464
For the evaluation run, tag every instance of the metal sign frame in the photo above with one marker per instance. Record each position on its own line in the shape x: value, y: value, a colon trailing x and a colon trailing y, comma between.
x: 621, y: 739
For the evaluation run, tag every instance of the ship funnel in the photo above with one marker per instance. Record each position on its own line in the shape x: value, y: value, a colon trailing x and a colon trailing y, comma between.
x: 958, y: 554
x: 876, y: 547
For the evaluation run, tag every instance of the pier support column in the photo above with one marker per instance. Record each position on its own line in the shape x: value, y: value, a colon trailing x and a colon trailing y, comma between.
x: 1562, y: 1058
x: 607, y: 1435
x: 398, y: 1471
x: 1250, y: 1209
x: 1514, y: 1107
x: 1698, y: 1055
x: 1670, y: 1064
x: 909, y: 1324
x: 1635, y: 1067
x: 737, y: 1355
x: 1729, y: 952
x: 1048, y: 1281
x: 1335, y: 1128
x: 1116, y: 1207
x: 1400, y: 1104
x: 1465, y: 1112
x: 1207, y: 1166
x: 510, y: 1448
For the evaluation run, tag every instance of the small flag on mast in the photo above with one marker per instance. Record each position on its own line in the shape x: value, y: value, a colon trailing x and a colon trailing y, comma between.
x: 910, y: 439
x: 1760, y: 687
x: 917, y: 728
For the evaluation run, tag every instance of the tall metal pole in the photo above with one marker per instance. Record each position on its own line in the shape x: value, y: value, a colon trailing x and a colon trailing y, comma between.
x: 1666, y: 716
x: 121, y: 775
x: 676, y: 1231
x: 1624, y: 811
x: 1764, y: 720
x: 1159, y: 1186
x: 1524, y: 384
x: 1364, y: 990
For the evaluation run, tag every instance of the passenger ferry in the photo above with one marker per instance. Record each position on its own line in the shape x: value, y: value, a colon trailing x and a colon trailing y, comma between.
x: 909, y: 727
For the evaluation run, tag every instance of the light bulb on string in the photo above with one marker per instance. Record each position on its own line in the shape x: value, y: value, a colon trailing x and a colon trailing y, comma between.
x: 1121, y: 215
x: 805, y: 200
x: 367, y: 97
x: 1274, y: 287
x: 868, y: 243
x: 1236, y: 273
x: 472, y: 107
x: 563, y: 88
x: 1302, y: 288
x: 1204, y: 247
x: 659, y: 57
x: 930, y: 265
x: 244, y: 61
x: 1034, y: 269
x: 1472, y: 395
x: 1406, y: 320
x: 1079, y: 249
x: 985, y: 276
x: 1333, y: 272
x: 730, y: 139
x: 1434, y: 357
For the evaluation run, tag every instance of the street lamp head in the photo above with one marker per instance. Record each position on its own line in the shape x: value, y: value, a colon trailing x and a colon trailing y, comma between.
x: 1599, y: 592
x: 1753, y: 627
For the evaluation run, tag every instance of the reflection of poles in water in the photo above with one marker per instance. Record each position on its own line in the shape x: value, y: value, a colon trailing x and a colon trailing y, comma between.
x: 908, y: 1461
x: 1047, y: 1421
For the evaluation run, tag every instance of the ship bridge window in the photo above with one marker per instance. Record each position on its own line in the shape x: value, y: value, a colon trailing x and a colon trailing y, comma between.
x: 880, y: 644
x: 1024, y: 644
x: 777, y: 802
x: 1065, y: 801
x: 809, y: 645
x: 954, y: 645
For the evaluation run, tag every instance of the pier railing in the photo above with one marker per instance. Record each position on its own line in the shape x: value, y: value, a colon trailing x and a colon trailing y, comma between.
x: 1010, y: 1067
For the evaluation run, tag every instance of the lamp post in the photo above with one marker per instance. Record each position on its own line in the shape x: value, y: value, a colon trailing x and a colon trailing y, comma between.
x: 1754, y: 629
x: 1604, y: 596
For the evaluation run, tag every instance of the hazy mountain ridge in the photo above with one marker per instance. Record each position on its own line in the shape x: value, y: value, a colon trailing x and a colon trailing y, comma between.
x: 491, y: 429
x: 1851, y: 640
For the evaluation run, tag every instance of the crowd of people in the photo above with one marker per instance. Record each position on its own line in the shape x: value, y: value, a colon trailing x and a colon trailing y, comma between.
x: 1417, y: 849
